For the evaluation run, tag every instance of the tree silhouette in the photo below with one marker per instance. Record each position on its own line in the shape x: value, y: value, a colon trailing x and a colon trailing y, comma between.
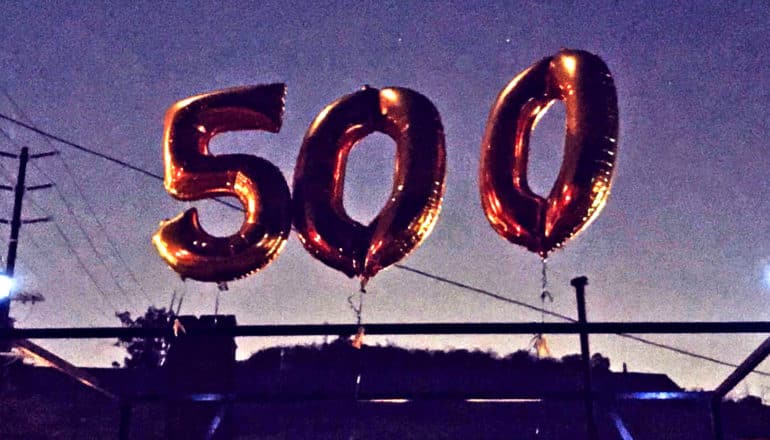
x: 145, y: 352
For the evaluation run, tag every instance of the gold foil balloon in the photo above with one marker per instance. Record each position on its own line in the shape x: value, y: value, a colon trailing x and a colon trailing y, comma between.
x: 322, y: 224
x: 584, y: 84
x: 192, y: 173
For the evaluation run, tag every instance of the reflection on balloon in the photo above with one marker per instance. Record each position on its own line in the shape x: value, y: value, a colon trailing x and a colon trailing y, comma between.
x: 192, y: 173
x: 583, y: 82
x: 323, y: 226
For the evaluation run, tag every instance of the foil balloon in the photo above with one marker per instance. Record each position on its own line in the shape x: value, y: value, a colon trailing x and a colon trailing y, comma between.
x: 323, y: 226
x: 584, y: 84
x: 192, y: 173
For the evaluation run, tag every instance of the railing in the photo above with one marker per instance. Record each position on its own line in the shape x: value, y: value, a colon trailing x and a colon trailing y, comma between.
x: 582, y: 327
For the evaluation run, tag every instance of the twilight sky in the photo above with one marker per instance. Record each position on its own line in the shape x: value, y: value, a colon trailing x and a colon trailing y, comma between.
x: 683, y: 237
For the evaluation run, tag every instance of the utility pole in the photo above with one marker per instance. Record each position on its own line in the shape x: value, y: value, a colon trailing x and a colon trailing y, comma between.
x: 16, y: 222
x: 579, y: 284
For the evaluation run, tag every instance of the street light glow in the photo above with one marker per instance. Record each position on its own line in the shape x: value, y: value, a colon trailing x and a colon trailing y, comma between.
x: 6, y: 284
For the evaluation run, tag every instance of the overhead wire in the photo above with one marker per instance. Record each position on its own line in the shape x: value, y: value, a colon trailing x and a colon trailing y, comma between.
x: 400, y: 266
x: 105, y: 232
x: 96, y: 153
x: 91, y: 244
x: 567, y: 318
x: 4, y: 171
x: 115, y: 251
x: 77, y: 256
x: 83, y: 266
x: 79, y: 147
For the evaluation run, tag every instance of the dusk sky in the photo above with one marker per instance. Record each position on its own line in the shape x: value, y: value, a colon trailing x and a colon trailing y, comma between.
x: 684, y: 236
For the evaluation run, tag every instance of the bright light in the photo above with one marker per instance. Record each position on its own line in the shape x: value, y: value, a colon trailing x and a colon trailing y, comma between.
x: 6, y: 285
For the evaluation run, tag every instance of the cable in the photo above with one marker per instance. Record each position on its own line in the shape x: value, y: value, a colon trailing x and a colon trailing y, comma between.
x: 85, y: 234
x: 567, y: 318
x: 35, y: 244
x: 80, y: 147
x: 400, y: 266
x: 72, y: 249
x: 110, y: 240
x: 89, y: 240
x: 98, y: 154
x: 103, y: 294
x: 70, y: 209
x: 483, y: 292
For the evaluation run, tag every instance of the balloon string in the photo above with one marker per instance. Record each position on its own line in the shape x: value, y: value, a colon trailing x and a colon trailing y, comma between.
x: 358, y: 339
x: 357, y: 309
x: 538, y: 342
x: 544, y: 294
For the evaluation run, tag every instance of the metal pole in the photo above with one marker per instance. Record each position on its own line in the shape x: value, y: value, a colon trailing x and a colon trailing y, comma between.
x: 716, y: 419
x: 5, y: 304
x: 579, y: 284
x: 747, y: 366
x: 125, y: 420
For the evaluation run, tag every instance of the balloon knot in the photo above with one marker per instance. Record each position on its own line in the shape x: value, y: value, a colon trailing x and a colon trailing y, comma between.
x: 358, y: 339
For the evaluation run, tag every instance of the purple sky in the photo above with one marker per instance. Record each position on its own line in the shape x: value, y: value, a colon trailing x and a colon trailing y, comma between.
x: 683, y: 237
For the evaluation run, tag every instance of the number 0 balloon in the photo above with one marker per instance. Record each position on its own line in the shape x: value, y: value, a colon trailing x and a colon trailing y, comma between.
x: 583, y: 82
x: 322, y: 224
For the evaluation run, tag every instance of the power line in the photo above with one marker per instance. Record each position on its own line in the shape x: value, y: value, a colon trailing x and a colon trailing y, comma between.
x: 80, y: 147
x: 83, y: 266
x: 74, y: 252
x: 400, y: 266
x: 90, y: 210
x: 105, y: 232
x: 567, y: 318
x: 88, y: 239
x: 97, y: 154
x: 483, y: 292
x: 71, y: 247
x: 36, y: 269
x: 85, y: 234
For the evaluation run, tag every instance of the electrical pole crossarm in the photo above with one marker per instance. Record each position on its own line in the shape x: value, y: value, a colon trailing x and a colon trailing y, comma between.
x: 37, y: 187
x: 36, y: 220
x: 46, y: 154
x: 16, y: 222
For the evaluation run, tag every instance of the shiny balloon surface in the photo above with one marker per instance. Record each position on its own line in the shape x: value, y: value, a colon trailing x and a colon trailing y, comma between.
x: 323, y: 226
x: 192, y: 173
x: 583, y: 83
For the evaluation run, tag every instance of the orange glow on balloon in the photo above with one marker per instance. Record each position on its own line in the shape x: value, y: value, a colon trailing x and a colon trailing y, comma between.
x: 583, y: 83
x: 192, y: 173
x: 322, y: 224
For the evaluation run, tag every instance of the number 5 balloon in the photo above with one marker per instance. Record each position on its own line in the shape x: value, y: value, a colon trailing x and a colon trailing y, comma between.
x: 583, y: 82
x: 192, y: 173
x: 322, y: 224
